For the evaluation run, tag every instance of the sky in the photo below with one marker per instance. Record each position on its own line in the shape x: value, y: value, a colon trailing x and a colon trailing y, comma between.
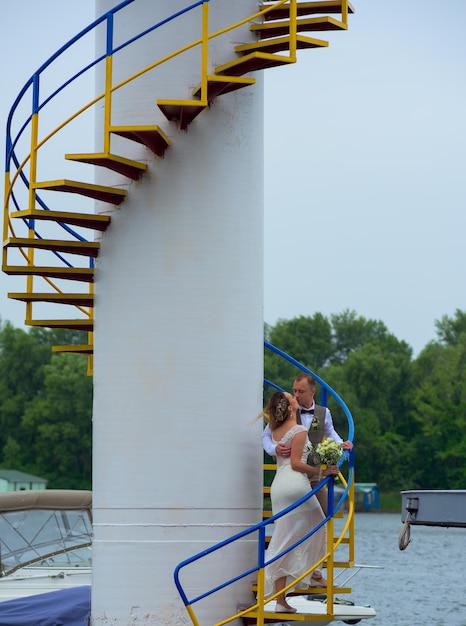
x: 365, y: 162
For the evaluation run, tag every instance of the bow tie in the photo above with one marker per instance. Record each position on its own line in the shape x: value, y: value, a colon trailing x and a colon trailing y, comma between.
x: 311, y: 411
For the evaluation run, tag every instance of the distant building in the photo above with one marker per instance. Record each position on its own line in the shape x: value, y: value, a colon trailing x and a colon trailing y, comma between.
x: 12, y: 480
x: 366, y: 497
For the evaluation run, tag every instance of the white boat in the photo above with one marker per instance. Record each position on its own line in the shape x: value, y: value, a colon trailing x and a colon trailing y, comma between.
x: 45, y: 542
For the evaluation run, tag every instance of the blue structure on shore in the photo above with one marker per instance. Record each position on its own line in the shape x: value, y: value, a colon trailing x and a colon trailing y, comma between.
x: 366, y: 497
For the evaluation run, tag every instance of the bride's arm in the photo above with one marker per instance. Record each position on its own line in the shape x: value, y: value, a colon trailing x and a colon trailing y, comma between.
x: 297, y: 447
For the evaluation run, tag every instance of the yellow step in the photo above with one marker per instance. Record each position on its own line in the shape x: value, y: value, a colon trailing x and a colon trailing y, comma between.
x: 150, y: 136
x: 77, y: 349
x: 85, y: 275
x: 74, y: 299
x: 181, y: 111
x: 302, y: 591
x: 104, y: 193
x: 85, y: 220
x: 83, y: 248
x: 306, y: 8
x: 219, y: 85
x: 84, y: 324
x: 121, y: 165
x: 281, y: 44
x: 276, y: 29
x: 252, y: 62
x: 250, y: 618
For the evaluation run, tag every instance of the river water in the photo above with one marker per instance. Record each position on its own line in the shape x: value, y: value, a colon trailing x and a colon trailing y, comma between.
x: 423, y: 585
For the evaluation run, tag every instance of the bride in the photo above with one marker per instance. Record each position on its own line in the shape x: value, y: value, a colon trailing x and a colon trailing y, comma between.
x: 291, y: 482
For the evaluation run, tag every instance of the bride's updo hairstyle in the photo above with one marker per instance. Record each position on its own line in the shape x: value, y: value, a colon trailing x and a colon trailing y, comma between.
x: 277, y: 410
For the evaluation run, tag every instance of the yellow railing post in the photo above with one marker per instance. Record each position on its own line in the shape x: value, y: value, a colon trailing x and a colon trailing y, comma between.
x: 32, y: 193
x: 205, y: 51
x: 108, y: 102
x: 351, y: 525
x: 90, y: 357
x: 6, y: 212
x: 293, y: 30
x: 344, y: 12
x: 330, y: 559
x: 260, y: 596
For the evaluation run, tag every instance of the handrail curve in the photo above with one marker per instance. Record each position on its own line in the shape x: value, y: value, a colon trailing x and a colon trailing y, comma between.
x: 332, y: 542
x: 33, y: 82
x: 11, y: 179
x: 37, y: 106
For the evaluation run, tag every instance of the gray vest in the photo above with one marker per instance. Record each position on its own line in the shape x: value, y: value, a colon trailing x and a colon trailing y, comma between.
x: 316, y: 430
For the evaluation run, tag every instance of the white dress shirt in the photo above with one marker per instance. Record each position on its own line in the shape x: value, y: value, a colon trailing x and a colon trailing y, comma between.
x: 306, y: 418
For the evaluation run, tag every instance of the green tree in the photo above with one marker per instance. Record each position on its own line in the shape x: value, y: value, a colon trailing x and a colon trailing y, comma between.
x: 22, y: 359
x: 374, y: 383
x: 439, y: 410
x: 306, y: 339
x: 351, y: 332
x: 370, y: 369
x: 28, y: 392
x: 59, y: 425
x: 449, y: 331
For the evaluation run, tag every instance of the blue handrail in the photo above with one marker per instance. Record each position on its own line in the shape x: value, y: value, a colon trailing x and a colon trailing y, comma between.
x: 34, y: 80
x: 37, y: 105
x: 325, y: 387
x: 261, y: 526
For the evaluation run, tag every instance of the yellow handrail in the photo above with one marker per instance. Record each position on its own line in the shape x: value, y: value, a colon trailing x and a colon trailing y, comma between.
x: 332, y: 545
x: 36, y: 144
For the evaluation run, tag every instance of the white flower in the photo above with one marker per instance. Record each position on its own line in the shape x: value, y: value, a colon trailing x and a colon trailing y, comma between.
x: 328, y: 452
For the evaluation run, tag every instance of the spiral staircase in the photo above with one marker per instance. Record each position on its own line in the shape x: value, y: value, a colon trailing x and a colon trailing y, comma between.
x: 319, y: 606
x: 48, y: 245
x: 59, y: 267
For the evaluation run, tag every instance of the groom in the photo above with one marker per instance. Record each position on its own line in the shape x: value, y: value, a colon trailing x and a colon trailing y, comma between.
x: 318, y: 421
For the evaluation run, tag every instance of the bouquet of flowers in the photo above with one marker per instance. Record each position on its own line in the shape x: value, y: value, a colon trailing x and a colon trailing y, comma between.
x: 328, y: 452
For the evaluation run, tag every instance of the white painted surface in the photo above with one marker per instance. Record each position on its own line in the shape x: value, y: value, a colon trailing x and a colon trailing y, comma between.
x: 31, y: 581
x: 178, y: 342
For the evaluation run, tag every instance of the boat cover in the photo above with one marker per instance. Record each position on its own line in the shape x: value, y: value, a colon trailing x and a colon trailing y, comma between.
x: 37, y: 525
x: 65, y: 607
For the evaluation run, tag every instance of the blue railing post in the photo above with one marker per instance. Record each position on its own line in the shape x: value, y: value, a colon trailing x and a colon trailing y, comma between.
x: 35, y: 93
x: 331, y: 497
x: 109, y: 42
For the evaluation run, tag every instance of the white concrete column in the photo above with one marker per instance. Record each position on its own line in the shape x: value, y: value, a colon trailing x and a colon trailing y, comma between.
x: 178, y: 336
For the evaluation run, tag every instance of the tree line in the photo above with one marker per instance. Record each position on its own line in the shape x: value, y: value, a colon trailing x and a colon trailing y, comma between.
x: 409, y: 413
x: 45, y: 407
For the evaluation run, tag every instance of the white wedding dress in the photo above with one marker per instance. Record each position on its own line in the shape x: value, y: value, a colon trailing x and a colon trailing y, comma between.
x: 287, y: 487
